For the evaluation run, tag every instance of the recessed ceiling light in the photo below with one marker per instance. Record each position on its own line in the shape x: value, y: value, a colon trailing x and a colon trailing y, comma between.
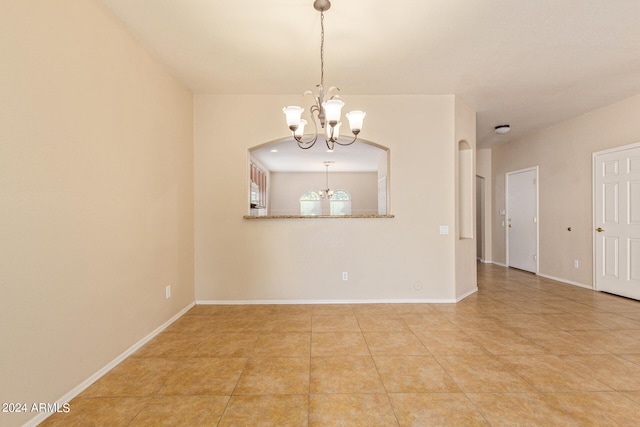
x: 329, y: 151
x: 273, y: 150
x: 502, y: 129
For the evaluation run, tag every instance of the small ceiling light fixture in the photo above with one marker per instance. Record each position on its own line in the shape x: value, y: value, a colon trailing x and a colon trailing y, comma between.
x: 326, y: 192
x: 326, y: 112
x: 502, y: 129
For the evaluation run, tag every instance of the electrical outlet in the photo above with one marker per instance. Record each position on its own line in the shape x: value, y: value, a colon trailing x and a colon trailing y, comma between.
x: 345, y: 276
x: 167, y: 292
x: 576, y: 264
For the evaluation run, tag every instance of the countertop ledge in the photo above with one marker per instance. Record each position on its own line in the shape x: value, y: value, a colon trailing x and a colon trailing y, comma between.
x: 315, y: 216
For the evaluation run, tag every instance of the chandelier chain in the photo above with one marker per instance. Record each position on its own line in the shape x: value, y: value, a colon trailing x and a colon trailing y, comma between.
x: 322, y: 48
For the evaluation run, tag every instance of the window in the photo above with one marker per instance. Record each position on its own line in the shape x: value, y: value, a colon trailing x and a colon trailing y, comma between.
x: 310, y: 203
x: 340, y: 203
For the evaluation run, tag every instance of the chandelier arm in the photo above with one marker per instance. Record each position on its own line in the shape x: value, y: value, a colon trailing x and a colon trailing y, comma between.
x: 347, y: 143
x: 330, y: 143
x: 305, y: 145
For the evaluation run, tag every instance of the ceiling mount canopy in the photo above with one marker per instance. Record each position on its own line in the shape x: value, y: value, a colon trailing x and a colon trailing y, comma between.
x: 327, y: 112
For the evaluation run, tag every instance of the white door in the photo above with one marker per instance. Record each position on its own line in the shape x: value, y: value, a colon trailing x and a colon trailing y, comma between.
x: 522, y: 219
x: 616, y: 182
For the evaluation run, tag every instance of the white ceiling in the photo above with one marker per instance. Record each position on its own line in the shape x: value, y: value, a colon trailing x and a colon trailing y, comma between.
x: 358, y: 157
x: 531, y: 64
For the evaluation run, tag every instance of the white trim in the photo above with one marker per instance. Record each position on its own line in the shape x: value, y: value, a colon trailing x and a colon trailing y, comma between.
x: 471, y: 292
x: 569, y: 282
x: 95, y: 377
x: 499, y: 264
x: 506, y: 203
x: 332, y: 301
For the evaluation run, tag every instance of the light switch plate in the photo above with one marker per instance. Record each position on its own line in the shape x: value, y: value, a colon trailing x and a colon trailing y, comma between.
x: 444, y: 229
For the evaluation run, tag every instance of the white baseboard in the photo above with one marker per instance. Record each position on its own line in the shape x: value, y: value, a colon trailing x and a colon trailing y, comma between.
x: 95, y: 377
x: 498, y: 264
x: 471, y: 292
x: 569, y: 282
x: 332, y: 301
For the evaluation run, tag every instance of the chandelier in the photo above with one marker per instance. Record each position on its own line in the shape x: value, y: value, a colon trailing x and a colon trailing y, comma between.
x: 326, y: 192
x: 328, y: 111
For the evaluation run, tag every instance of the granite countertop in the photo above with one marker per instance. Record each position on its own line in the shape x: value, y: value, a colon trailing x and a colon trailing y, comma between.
x: 315, y: 216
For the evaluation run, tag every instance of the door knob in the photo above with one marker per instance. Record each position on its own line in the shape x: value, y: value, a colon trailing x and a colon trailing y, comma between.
x: 599, y: 229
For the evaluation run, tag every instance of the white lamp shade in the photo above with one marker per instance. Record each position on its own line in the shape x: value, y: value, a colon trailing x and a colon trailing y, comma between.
x: 355, y: 119
x: 332, y: 109
x: 293, y: 114
x: 300, y: 131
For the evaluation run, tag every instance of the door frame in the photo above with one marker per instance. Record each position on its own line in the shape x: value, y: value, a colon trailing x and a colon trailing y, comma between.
x: 594, y: 157
x: 537, y: 222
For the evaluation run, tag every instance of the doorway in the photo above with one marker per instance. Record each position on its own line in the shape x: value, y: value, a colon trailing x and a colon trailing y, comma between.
x: 616, y: 217
x: 480, y: 218
x: 522, y: 219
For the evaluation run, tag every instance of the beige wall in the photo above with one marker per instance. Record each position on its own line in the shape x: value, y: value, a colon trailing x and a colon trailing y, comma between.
x: 287, y: 187
x: 239, y: 259
x: 96, y: 205
x: 465, y: 248
x: 483, y: 169
x: 564, y: 156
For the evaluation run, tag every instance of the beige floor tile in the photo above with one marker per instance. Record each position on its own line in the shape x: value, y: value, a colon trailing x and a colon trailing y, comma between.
x: 419, y: 322
x: 284, y: 344
x: 135, y: 376
x: 549, y: 373
x: 170, y: 345
x: 598, y: 408
x: 524, y: 321
x: 521, y: 409
x: 635, y: 358
x: 633, y: 395
x: 98, y: 412
x: 505, y: 342
x: 267, y: 410
x: 394, y: 343
x: 274, y: 375
x: 435, y: 409
x: 413, y: 374
x: 382, y: 322
x: 192, y: 324
x: 199, y: 376
x: 352, y: 374
x: 407, y: 308
x: 375, y: 309
x: 331, y: 309
x: 339, y: 344
x: 614, y: 371
x: 613, y: 341
x: 523, y: 350
x: 234, y: 344
x: 334, y: 323
x: 288, y: 323
x: 353, y: 410
x: 236, y: 323
x: 187, y: 411
x: 476, y: 374
x: 451, y: 343
x: 290, y: 310
x: 561, y: 342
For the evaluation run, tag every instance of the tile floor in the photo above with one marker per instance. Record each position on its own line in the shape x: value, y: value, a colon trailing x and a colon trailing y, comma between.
x: 524, y: 350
